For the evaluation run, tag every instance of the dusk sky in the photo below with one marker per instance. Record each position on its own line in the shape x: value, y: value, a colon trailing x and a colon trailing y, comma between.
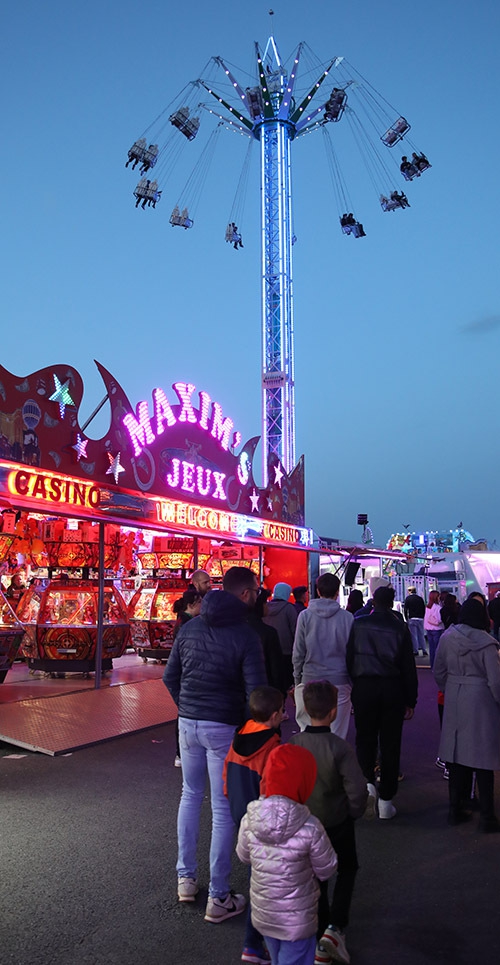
x: 397, y: 335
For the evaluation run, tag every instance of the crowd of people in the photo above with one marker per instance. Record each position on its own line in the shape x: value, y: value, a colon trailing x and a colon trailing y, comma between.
x: 292, y: 808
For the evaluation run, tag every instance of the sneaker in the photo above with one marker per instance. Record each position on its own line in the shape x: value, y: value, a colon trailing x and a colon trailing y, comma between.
x: 371, y: 804
x: 446, y: 774
x: 440, y: 763
x: 332, y: 948
x: 386, y: 809
x: 218, y: 909
x: 258, y: 958
x: 187, y: 889
x: 177, y: 761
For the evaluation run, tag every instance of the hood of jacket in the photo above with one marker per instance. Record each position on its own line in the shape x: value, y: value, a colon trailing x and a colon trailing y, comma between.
x: 249, y: 745
x: 222, y: 609
x: 276, y: 606
x: 324, y: 608
x: 468, y: 638
x: 273, y: 820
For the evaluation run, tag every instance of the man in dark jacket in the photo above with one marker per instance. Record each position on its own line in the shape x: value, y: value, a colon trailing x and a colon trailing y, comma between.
x: 414, y: 611
x: 216, y: 662
x: 384, y: 692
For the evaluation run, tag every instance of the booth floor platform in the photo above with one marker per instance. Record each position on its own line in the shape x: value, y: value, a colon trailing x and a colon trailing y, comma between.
x: 57, y: 716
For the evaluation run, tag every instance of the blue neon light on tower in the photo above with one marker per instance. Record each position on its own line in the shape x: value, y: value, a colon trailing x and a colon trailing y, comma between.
x: 275, y: 122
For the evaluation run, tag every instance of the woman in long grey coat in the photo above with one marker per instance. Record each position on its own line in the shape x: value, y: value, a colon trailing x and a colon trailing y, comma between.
x: 467, y: 669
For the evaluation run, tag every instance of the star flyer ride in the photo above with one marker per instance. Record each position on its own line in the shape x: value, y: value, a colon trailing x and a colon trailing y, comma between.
x: 275, y: 110
x: 106, y: 532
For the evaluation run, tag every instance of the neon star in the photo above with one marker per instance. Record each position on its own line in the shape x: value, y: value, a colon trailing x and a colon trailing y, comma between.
x: 269, y: 504
x: 278, y: 475
x: 80, y: 447
x: 61, y: 395
x: 254, y: 499
x: 114, y: 466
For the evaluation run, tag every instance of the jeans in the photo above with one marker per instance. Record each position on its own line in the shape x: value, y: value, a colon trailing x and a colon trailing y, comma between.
x: 433, y: 637
x: 416, y: 628
x: 340, y: 725
x: 204, y: 745
x: 300, y: 952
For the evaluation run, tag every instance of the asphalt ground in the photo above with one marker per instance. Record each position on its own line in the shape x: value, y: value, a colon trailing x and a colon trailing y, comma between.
x: 88, y: 851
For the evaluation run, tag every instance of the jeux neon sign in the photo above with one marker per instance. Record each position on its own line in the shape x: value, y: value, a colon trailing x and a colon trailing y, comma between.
x: 143, y: 429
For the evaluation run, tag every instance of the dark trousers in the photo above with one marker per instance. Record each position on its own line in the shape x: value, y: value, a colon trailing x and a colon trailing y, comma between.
x: 379, y: 709
x: 344, y: 843
x: 460, y: 784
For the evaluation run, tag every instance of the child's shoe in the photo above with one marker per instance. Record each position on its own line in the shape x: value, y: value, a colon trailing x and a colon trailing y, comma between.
x: 331, y: 948
x: 257, y: 957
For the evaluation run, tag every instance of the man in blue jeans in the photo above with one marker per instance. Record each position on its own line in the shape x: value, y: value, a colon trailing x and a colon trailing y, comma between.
x: 216, y: 662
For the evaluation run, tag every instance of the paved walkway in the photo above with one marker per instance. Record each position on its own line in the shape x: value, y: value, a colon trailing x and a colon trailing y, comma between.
x: 88, y: 850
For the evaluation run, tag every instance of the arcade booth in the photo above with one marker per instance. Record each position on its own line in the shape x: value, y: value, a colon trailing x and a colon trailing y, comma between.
x: 107, y: 532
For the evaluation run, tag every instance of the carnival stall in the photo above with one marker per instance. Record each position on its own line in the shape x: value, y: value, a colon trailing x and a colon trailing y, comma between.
x: 167, y: 490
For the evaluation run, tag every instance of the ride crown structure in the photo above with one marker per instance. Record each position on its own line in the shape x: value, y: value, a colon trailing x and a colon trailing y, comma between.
x: 274, y: 111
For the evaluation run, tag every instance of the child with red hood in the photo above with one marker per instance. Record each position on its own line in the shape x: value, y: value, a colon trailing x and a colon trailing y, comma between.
x: 288, y: 850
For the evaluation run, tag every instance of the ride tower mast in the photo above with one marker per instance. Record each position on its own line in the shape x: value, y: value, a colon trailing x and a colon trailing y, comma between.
x: 276, y: 122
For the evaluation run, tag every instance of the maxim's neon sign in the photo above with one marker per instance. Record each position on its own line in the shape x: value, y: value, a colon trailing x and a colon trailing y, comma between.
x: 143, y: 428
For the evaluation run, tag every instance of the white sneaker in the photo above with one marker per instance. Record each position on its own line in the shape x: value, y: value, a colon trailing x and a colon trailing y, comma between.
x: 371, y: 804
x: 177, y: 761
x: 187, y: 889
x: 332, y: 948
x: 386, y: 809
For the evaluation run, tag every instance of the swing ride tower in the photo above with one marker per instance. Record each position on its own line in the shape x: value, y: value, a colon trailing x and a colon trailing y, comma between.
x: 275, y: 111
x: 275, y: 120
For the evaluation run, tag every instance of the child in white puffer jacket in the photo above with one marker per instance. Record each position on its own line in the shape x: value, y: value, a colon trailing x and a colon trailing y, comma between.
x: 288, y: 850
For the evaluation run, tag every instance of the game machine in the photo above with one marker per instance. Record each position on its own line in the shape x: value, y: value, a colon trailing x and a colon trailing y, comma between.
x: 61, y: 618
x: 165, y: 575
x: 11, y: 635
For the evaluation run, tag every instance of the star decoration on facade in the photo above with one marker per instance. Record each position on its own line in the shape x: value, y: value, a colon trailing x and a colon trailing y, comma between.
x: 114, y: 466
x: 61, y: 395
x: 269, y: 504
x: 278, y: 475
x: 254, y: 499
x: 80, y: 447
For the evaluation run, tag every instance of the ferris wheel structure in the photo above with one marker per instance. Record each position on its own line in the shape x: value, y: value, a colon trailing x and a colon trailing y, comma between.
x: 273, y: 109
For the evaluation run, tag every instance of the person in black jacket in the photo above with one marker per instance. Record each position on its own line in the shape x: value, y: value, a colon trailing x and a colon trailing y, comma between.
x: 384, y: 692
x: 414, y: 611
x: 216, y: 662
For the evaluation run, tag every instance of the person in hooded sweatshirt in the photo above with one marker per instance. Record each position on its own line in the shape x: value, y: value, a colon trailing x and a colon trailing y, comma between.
x: 289, y: 851
x: 319, y: 651
x: 282, y: 615
x: 467, y: 670
x: 215, y: 663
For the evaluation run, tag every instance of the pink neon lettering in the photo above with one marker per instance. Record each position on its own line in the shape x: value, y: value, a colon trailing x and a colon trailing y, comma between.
x: 218, y: 492
x: 162, y: 410
x: 187, y: 477
x: 221, y: 429
x: 139, y: 428
x: 184, y: 391
x: 205, y: 401
x: 236, y: 439
x: 173, y: 478
x: 203, y: 487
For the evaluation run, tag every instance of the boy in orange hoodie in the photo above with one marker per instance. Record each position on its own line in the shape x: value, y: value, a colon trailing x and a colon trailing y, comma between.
x: 243, y: 769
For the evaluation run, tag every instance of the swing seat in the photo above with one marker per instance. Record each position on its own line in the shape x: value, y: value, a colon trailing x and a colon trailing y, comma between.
x: 396, y: 132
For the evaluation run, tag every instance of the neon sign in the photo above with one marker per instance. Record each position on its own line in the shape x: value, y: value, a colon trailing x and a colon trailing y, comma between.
x: 55, y: 489
x: 144, y: 429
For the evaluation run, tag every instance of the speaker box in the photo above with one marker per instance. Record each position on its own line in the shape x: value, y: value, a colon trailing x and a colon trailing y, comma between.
x: 350, y: 573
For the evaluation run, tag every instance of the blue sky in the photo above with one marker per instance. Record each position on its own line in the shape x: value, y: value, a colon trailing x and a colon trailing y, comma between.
x: 397, y: 335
